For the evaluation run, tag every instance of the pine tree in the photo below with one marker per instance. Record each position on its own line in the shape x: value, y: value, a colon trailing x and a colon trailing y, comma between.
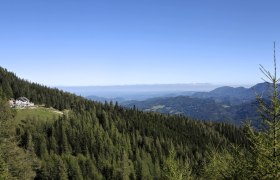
x: 262, y: 159
x: 265, y: 142
x: 7, y: 89
x: 172, y: 169
x: 228, y: 163
x: 125, y: 166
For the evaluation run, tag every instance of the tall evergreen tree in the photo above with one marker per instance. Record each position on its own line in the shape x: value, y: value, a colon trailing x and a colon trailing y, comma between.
x: 261, y: 160
x: 173, y: 170
x: 265, y: 142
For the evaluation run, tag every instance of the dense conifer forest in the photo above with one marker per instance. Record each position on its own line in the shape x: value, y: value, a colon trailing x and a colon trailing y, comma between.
x: 92, y: 140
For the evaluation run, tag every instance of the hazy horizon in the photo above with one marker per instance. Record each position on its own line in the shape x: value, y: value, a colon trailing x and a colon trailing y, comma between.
x: 157, y: 84
x: 142, y: 91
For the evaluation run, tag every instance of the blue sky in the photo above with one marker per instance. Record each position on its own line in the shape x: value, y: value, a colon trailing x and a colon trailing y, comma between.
x: 117, y: 42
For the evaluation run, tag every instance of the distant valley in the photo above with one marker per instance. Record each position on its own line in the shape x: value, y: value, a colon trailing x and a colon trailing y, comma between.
x: 225, y: 104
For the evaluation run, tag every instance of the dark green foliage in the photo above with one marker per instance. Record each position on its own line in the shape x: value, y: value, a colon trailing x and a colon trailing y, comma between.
x: 105, y: 141
x: 173, y: 170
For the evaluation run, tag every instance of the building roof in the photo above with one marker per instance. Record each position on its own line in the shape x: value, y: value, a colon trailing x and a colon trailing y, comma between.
x: 23, y: 99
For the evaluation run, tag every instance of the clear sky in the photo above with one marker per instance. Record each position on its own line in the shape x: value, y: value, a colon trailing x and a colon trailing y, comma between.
x: 117, y: 42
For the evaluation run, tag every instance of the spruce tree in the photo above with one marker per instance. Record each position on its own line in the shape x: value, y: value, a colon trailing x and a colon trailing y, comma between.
x: 261, y: 160
x: 172, y: 170
x: 265, y: 141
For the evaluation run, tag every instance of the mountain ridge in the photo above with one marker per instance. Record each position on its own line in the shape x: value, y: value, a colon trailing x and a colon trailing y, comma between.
x: 223, y: 104
x: 236, y: 96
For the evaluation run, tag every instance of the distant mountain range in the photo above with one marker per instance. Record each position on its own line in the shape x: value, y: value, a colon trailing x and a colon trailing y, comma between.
x: 228, y: 104
x: 236, y: 96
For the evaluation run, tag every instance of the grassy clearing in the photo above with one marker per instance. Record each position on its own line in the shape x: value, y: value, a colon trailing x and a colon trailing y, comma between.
x: 39, y: 113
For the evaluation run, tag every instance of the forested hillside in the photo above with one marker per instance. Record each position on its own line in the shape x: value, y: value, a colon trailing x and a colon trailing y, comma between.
x: 103, y: 141
x: 200, y: 108
x: 91, y: 140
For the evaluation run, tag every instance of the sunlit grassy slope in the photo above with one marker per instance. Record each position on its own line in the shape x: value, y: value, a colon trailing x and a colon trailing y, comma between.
x: 40, y: 113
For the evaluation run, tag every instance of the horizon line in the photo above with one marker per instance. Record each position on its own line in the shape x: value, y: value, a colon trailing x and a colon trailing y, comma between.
x: 161, y: 84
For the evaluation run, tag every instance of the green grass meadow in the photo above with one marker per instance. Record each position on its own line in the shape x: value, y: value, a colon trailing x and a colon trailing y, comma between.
x: 40, y: 113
